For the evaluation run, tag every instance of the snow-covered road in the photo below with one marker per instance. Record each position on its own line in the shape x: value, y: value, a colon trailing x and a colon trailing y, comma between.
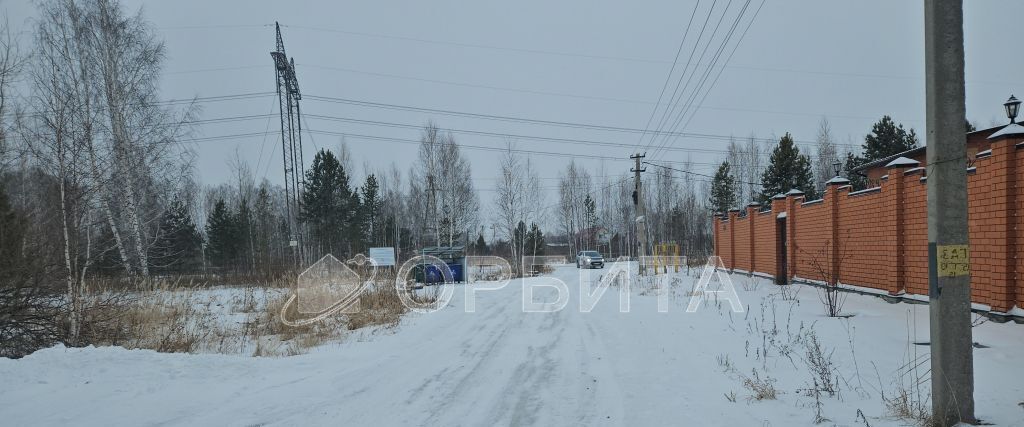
x: 502, y: 366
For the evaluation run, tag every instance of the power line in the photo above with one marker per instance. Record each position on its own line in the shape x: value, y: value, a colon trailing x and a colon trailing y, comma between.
x: 218, y: 98
x: 675, y: 91
x: 555, y: 123
x: 843, y: 74
x: 704, y: 78
x: 668, y: 78
x: 584, y: 142
x: 488, y: 148
x: 573, y: 141
x: 719, y: 75
x: 694, y: 173
x: 573, y: 96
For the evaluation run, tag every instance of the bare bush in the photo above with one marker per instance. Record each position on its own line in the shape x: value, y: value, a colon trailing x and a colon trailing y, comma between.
x: 827, y: 263
x: 819, y: 363
x: 760, y: 388
x: 30, y: 315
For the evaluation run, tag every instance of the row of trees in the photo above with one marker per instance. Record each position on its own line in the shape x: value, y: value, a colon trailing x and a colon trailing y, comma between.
x: 91, y: 163
x: 734, y: 184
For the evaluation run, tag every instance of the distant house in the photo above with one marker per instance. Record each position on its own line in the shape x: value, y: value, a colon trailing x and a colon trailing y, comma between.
x: 976, y: 141
x: 594, y: 235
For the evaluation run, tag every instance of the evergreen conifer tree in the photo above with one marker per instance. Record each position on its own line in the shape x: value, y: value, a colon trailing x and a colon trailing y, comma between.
x: 327, y: 205
x: 534, y: 241
x: 886, y: 139
x: 723, y: 189
x: 371, y: 226
x: 787, y: 170
x: 178, y: 247
x: 858, y: 181
x: 480, y: 247
x: 222, y: 236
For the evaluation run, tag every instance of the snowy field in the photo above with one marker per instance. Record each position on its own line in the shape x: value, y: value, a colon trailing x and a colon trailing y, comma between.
x: 501, y: 366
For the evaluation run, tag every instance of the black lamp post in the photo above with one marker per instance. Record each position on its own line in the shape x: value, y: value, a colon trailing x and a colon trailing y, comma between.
x: 1012, y: 108
x: 838, y: 166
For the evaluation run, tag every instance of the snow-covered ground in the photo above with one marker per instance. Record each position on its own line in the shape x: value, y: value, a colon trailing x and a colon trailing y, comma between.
x: 501, y: 366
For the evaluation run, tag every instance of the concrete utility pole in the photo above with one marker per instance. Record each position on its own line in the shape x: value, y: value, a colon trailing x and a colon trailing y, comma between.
x: 949, y: 260
x: 641, y: 212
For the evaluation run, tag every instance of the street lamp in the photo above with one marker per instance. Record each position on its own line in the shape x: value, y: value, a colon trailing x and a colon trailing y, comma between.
x: 838, y: 166
x: 1012, y: 107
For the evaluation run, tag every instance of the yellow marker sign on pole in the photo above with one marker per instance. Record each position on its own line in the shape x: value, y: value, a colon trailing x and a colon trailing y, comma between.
x: 954, y: 260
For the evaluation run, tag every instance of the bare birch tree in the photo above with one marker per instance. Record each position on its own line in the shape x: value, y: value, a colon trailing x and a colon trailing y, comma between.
x: 517, y: 199
x: 573, y: 187
x: 10, y: 65
x: 444, y: 178
x: 55, y: 134
x: 826, y: 155
x: 145, y: 163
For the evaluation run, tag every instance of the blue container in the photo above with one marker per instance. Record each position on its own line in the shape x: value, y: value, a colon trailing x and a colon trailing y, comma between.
x: 457, y: 273
x: 435, y: 275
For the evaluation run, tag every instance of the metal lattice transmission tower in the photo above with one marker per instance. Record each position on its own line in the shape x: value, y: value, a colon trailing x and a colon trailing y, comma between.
x: 288, y: 95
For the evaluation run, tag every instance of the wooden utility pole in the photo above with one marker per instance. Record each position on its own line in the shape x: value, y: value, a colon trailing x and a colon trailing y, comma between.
x: 641, y: 212
x: 949, y: 268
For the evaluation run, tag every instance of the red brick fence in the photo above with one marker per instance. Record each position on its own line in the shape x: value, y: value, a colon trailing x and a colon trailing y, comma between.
x: 878, y: 238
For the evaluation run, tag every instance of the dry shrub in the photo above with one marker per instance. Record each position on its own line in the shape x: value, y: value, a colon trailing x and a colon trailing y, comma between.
x: 30, y: 313
x: 760, y: 388
x: 185, y: 316
x: 819, y: 362
x: 162, y: 316
x: 910, y: 397
x: 381, y: 306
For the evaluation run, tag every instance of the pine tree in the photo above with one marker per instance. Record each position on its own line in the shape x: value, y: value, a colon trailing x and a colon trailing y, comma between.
x: 858, y: 181
x: 589, y: 220
x: 886, y: 139
x: 723, y: 189
x: 222, y: 236
x: 519, y: 236
x: 590, y: 212
x: 480, y: 247
x: 327, y: 205
x: 178, y: 247
x: 787, y: 170
x: 264, y: 235
x: 371, y: 226
x: 534, y: 241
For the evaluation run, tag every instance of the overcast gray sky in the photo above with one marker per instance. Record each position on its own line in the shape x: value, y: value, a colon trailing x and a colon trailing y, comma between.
x: 589, y: 61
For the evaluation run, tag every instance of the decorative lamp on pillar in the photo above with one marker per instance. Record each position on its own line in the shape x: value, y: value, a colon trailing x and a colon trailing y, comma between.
x: 1012, y: 108
x: 838, y: 166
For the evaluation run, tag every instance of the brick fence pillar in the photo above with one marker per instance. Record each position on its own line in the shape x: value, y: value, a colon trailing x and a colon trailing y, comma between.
x: 717, y: 221
x: 792, y: 198
x: 891, y: 218
x: 1003, y: 200
x: 752, y: 209
x: 837, y: 252
x: 778, y: 207
x: 733, y: 214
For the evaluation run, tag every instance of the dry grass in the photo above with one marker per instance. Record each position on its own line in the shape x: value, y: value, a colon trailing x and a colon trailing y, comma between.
x: 183, y: 316
x: 381, y: 306
x: 760, y: 388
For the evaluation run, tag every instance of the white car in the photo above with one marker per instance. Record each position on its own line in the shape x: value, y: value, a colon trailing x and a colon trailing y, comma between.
x: 589, y: 259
